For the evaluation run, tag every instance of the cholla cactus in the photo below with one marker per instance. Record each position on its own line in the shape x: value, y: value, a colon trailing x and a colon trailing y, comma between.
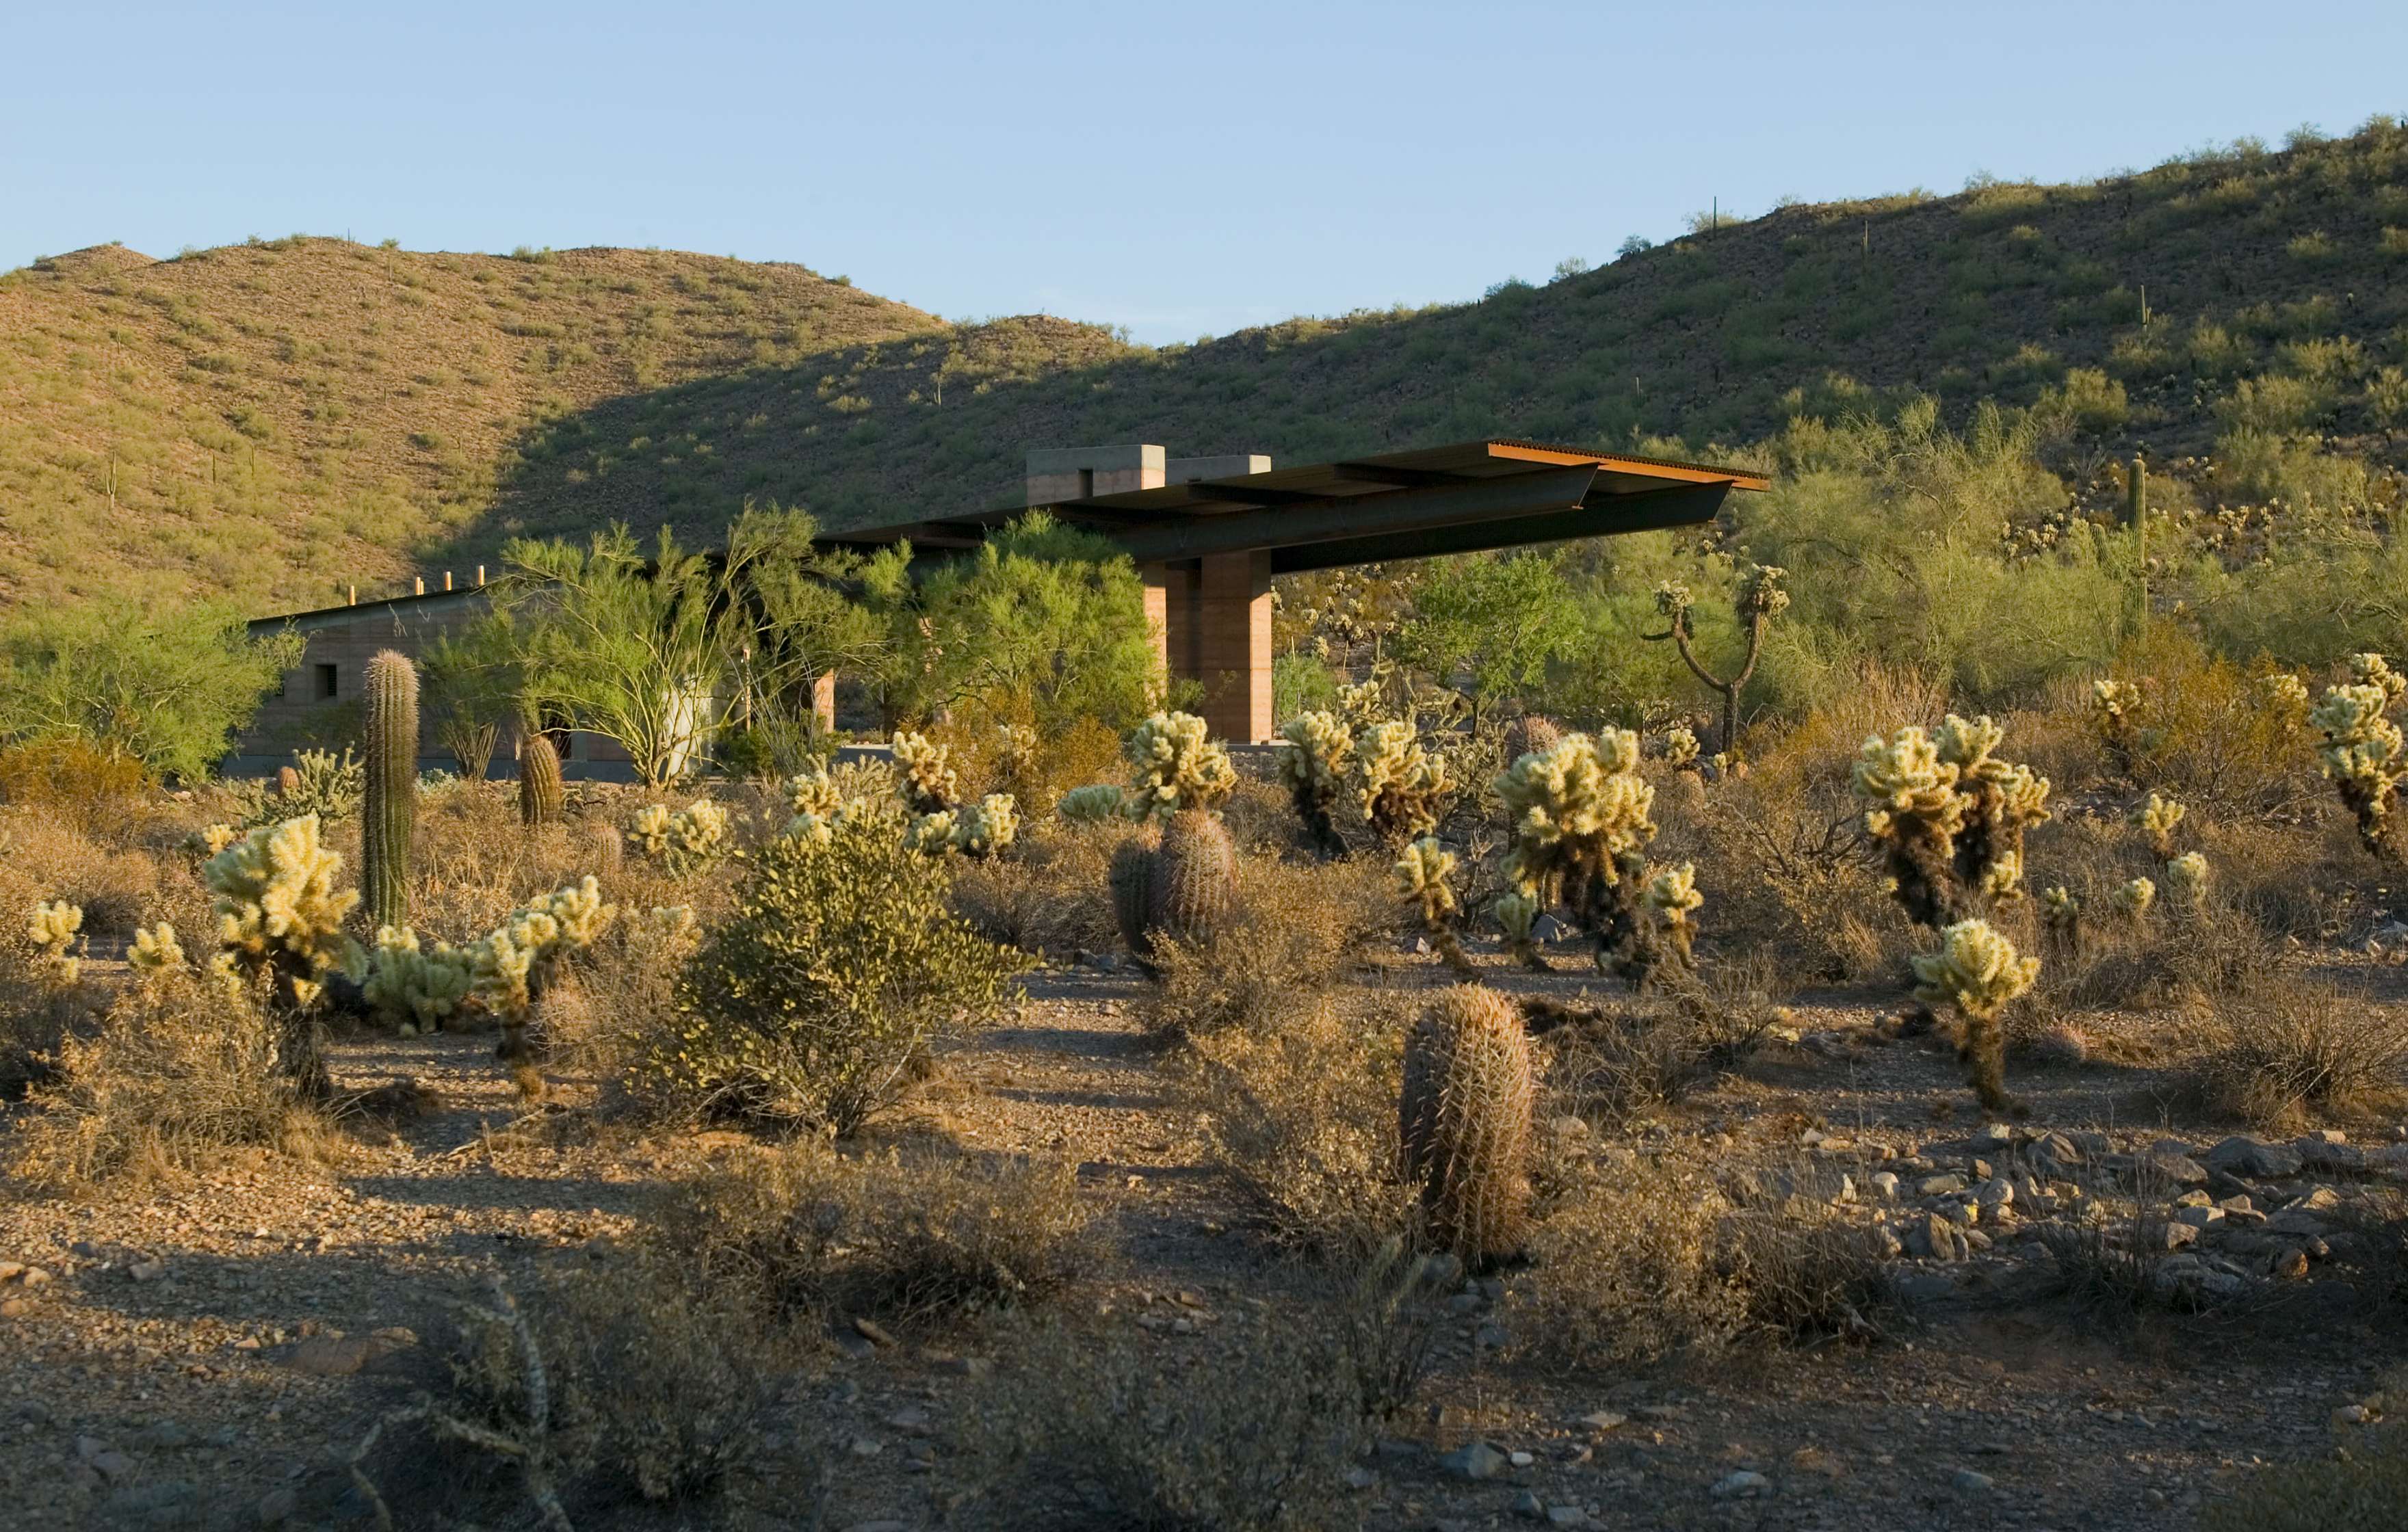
x: 2159, y: 816
x: 927, y: 784
x: 1758, y: 600
x: 815, y: 791
x: 1315, y: 769
x: 686, y: 841
x: 2114, y: 708
x: 155, y: 951
x: 411, y: 987
x: 1517, y: 915
x: 1403, y: 788
x: 1359, y: 706
x: 508, y: 968
x: 2362, y: 755
x: 2284, y: 690
x: 987, y: 826
x: 2135, y: 898
x: 213, y: 838
x: 1579, y: 818
x: 2060, y: 913
x: 279, y: 910
x: 1016, y: 762
x: 932, y: 835
x: 54, y: 926
x: 2186, y: 881
x: 1977, y: 971
x: 1670, y: 898
x: 664, y: 928
x: 812, y: 829
x: 2371, y: 670
x: 1424, y: 876
x: 1950, y: 814
x: 1093, y: 804
x: 1178, y: 767
x: 1680, y: 747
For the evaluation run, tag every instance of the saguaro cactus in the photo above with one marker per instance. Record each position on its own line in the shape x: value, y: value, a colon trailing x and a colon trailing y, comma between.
x: 1760, y: 599
x: 391, y: 811
x: 1464, y: 1122
x: 541, y: 796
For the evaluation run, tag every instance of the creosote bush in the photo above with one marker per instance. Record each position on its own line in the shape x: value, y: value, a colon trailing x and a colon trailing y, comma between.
x: 2282, y: 1054
x: 841, y: 964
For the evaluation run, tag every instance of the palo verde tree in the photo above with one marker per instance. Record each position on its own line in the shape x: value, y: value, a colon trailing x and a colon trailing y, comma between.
x: 473, y: 678
x: 1760, y: 599
x: 641, y: 649
x: 1491, y: 623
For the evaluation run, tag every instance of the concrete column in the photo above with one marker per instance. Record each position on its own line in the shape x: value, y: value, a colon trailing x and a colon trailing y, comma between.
x: 1232, y: 644
x: 1158, y: 578
x: 824, y: 699
x: 1056, y: 474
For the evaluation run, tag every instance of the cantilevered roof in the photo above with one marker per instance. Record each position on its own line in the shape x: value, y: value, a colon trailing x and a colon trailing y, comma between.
x: 1495, y: 492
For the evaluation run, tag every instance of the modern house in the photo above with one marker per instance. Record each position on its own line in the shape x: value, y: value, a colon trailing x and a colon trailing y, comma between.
x: 1208, y: 533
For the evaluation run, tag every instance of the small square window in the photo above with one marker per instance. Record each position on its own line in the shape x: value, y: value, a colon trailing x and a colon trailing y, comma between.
x: 325, y: 683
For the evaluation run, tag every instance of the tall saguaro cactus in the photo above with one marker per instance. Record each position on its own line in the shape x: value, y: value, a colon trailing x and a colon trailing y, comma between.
x: 392, y: 803
x: 2136, y: 516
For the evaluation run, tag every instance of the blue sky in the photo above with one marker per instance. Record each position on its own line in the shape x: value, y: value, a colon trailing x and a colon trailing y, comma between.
x: 1182, y: 170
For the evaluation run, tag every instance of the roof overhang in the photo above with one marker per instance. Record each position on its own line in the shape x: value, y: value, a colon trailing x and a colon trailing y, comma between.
x: 1463, y: 498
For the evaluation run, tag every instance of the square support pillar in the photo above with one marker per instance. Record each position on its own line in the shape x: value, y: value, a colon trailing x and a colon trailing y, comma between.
x: 1232, y: 644
x: 824, y: 699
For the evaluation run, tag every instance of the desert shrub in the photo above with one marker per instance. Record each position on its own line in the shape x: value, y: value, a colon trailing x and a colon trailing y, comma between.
x: 1612, y: 1056
x: 1292, y: 939
x: 2283, y: 1052
x: 1628, y: 1266
x: 2219, y: 735
x: 51, y: 857
x: 37, y: 1012
x: 70, y: 776
x: 2357, y: 1489
x: 1048, y: 896
x: 1253, y: 1434
x: 840, y: 964
x: 596, y: 1385
x: 179, y: 1069
x: 1302, y: 1120
x: 918, y: 1232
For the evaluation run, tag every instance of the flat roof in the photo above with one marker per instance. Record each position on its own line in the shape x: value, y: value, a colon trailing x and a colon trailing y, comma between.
x: 1491, y: 492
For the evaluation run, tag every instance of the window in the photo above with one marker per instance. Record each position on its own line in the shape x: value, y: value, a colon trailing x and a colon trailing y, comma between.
x: 1086, y: 483
x: 325, y: 683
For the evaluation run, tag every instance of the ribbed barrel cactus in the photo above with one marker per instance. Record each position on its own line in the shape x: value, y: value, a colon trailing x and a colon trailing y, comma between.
x: 1579, y: 818
x: 414, y: 988
x: 1403, y: 788
x: 1316, y: 768
x: 1425, y: 876
x: 1178, y: 767
x: 542, y: 795
x: 2157, y: 817
x: 1531, y: 734
x: 1094, y: 804
x: 1950, y: 815
x: 390, y: 809
x: 1976, y: 972
x: 1464, y: 1122
x: 1131, y: 881
x: 2364, y: 757
x: 926, y: 778
x: 685, y: 841
x: 1195, y: 887
x: 53, y: 928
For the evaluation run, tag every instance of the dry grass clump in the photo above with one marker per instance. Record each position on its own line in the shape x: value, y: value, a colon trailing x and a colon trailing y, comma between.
x: 1252, y: 1434
x: 37, y: 1012
x: 2360, y: 1487
x: 47, y: 857
x: 1046, y: 894
x: 920, y: 1232
x: 1303, y: 1121
x: 1298, y: 930
x: 2284, y: 1053
x: 178, y: 1071
x: 1612, y: 1054
x: 1632, y: 1263
x: 1788, y: 863
x: 604, y: 1385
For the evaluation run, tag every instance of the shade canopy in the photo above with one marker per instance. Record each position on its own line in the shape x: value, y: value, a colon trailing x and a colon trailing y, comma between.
x: 1494, y: 492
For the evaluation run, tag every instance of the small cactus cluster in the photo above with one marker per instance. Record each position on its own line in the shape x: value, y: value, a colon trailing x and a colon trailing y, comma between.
x: 926, y: 778
x: 1680, y: 748
x: 1315, y: 769
x: 1579, y: 818
x: 542, y: 795
x: 156, y: 950
x: 2135, y: 898
x: 53, y: 928
x: 2159, y: 817
x: 1425, y: 876
x: 1950, y: 815
x: 2115, y: 708
x: 1976, y: 972
x: 2186, y: 879
x: 1464, y: 1122
x: 1183, y: 886
x: 1096, y: 803
x: 417, y: 988
x: 2286, y: 691
x: 1517, y: 915
x: 2363, y: 754
x: 390, y: 807
x: 978, y: 829
x: 411, y: 987
x: 279, y: 913
x: 317, y: 783
x: 2061, y: 915
x: 1178, y: 767
x: 1670, y: 899
x: 686, y: 840
x: 1403, y: 788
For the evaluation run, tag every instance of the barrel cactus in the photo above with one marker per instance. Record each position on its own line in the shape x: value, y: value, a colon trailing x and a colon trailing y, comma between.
x: 2364, y: 757
x: 1464, y: 1122
x: 1404, y: 789
x: 1425, y: 876
x: 1178, y: 767
x: 542, y: 796
x: 1976, y: 972
x: 1316, y: 768
x: 390, y: 810
x: 1131, y: 879
x: 1530, y: 733
x: 1196, y: 878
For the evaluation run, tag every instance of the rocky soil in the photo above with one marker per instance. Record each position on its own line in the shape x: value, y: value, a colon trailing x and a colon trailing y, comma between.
x: 207, y: 1357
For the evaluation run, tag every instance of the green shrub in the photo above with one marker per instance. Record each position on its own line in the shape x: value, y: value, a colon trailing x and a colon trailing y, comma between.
x: 842, y: 962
